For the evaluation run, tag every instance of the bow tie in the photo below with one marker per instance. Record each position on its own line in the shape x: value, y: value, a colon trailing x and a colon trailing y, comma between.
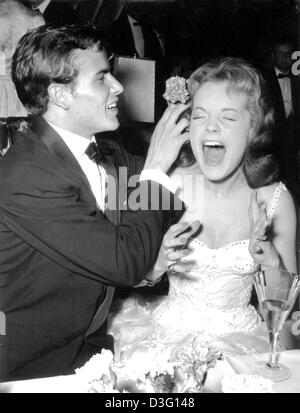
x: 282, y: 75
x: 98, y: 151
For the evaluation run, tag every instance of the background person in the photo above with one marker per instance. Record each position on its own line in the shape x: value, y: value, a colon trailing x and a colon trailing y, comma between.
x: 284, y: 89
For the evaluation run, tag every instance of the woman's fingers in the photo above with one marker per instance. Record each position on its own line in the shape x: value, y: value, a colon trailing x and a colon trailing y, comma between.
x: 258, y: 218
x: 262, y: 224
x: 256, y: 247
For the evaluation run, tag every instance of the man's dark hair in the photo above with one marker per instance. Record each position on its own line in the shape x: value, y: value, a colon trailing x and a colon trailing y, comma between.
x: 283, y: 40
x: 46, y: 55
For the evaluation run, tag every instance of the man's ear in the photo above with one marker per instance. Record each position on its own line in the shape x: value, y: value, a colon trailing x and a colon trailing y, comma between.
x: 59, y: 95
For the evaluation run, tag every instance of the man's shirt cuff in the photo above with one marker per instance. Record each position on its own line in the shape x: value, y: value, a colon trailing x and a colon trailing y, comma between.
x: 159, y: 177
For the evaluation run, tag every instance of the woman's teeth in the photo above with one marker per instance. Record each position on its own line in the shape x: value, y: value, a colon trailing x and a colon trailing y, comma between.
x: 213, y: 144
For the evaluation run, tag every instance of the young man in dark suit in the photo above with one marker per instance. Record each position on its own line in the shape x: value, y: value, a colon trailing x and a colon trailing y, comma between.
x: 284, y: 89
x: 63, y: 245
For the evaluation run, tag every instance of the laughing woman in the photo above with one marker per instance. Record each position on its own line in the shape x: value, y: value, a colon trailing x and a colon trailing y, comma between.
x: 247, y: 219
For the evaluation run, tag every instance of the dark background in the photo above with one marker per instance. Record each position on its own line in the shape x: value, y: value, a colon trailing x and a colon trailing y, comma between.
x: 195, y: 30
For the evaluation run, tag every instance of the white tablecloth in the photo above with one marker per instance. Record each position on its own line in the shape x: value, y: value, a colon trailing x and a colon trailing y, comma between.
x: 247, y: 365
x: 228, y: 367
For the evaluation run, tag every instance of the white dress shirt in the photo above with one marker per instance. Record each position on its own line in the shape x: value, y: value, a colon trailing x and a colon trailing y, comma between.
x: 286, y: 92
x: 42, y: 7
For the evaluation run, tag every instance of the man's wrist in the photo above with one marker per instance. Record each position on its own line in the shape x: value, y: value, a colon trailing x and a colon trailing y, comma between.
x: 159, y: 177
x: 158, y: 166
x: 151, y: 283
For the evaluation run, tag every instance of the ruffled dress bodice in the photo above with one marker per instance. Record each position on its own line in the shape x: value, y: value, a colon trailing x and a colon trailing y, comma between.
x: 215, y: 296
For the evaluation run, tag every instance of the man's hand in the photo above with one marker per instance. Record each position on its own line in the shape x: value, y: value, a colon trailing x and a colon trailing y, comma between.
x: 260, y: 247
x: 175, y: 247
x: 167, y: 138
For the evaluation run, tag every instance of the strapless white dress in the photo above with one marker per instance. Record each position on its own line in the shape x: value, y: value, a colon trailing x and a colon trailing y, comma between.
x: 211, y: 303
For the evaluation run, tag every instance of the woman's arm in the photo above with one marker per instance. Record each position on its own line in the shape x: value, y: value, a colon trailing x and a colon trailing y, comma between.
x: 284, y: 231
x: 273, y: 241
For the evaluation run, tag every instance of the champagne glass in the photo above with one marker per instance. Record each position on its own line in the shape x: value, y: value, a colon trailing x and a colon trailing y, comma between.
x: 277, y: 291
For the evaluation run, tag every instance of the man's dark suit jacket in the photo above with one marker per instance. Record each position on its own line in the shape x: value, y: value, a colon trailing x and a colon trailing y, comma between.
x: 60, y: 256
x: 286, y: 142
x: 120, y: 37
x: 59, y: 13
x: 289, y: 143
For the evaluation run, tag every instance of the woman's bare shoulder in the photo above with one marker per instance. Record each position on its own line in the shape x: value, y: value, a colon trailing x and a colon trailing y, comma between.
x: 277, y: 197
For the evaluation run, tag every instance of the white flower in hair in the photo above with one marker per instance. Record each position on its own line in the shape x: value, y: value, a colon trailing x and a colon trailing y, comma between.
x: 176, y: 91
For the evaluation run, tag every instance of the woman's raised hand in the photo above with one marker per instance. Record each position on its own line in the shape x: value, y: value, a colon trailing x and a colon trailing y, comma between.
x: 261, y: 247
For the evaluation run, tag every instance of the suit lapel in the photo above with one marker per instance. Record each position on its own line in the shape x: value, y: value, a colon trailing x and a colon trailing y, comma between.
x: 125, y: 39
x: 57, y: 146
x: 151, y: 42
x: 294, y: 93
x: 278, y: 103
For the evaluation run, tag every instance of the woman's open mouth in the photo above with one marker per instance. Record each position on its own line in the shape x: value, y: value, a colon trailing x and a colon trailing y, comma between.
x: 214, y: 152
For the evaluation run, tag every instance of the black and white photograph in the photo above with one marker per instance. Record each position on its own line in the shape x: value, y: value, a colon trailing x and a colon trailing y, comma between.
x: 149, y: 199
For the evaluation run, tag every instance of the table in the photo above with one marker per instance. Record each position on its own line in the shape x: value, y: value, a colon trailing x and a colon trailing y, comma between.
x: 246, y: 365
x: 227, y: 367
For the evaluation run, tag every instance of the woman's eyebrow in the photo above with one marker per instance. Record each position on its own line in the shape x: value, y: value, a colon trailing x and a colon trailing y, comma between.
x: 229, y: 109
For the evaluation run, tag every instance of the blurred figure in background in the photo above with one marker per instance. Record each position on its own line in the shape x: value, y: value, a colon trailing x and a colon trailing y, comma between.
x: 284, y: 89
x: 54, y: 12
x: 15, y: 21
x: 135, y: 33
x: 131, y: 35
